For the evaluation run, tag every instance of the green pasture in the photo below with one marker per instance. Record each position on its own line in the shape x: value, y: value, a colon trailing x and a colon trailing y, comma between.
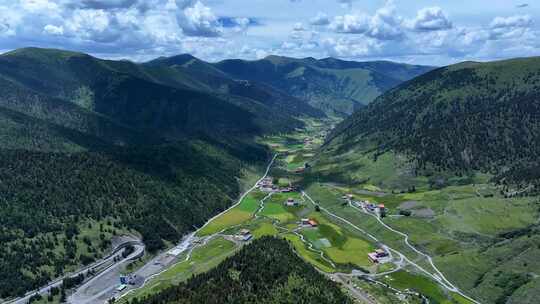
x: 264, y: 228
x: 311, y: 257
x: 406, y: 280
x: 238, y: 215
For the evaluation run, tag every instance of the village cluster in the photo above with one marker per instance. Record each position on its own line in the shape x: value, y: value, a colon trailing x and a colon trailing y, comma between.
x: 369, y: 207
x: 267, y: 185
x: 379, y: 256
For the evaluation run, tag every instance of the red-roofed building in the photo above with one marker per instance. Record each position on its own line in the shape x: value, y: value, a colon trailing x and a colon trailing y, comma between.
x: 382, y: 210
x: 379, y: 256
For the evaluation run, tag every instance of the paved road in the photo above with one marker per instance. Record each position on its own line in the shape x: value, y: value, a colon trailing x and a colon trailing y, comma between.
x: 406, y: 240
x: 255, y: 186
x: 163, y: 262
x: 117, y: 251
x: 336, y: 277
x: 438, y: 278
x: 103, y: 286
x: 357, y: 293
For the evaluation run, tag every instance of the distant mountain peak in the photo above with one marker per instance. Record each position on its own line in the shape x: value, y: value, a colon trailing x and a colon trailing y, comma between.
x: 276, y: 59
x: 180, y: 59
x: 186, y: 56
x: 271, y: 57
x: 36, y: 52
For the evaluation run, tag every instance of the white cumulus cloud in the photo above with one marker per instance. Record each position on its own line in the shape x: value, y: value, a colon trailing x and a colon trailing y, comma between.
x: 385, y: 24
x: 196, y: 19
x: 512, y: 21
x: 53, y: 30
x: 430, y: 19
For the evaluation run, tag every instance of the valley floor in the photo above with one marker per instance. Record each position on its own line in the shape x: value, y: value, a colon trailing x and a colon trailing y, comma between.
x: 337, y: 241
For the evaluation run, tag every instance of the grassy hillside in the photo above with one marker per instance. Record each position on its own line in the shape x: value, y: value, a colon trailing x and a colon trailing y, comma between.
x: 457, y: 150
x: 266, y: 271
x: 466, y: 116
x: 332, y: 85
x: 213, y: 80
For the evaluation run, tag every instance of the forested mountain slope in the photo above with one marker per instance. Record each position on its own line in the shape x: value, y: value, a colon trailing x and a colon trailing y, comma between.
x: 90, y: 148
x: 333, y: 85
x: 430, y: 142
x: 159, y: 192
x: 266, y: 271
x: 466, y: 116
x: 128, y: 94
x: 213, y: 80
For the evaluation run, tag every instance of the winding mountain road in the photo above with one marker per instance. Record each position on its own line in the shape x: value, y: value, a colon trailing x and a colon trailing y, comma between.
x: 101, y: 288
x: 439, y: 277
x: 117, y: 252
x: 104, y: 283
x: 151, y: 270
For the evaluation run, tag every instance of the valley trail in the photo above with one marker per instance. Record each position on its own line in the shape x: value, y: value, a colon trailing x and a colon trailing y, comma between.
x: 156, y: 266
x: 439, y: 277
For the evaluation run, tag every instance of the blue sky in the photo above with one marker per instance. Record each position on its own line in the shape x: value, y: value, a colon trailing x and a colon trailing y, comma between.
x: 420, y: 31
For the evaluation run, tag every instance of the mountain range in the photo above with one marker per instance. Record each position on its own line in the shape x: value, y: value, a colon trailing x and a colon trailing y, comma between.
x: 335, y: 86
x: 141, y: 145
x: 91, y: 148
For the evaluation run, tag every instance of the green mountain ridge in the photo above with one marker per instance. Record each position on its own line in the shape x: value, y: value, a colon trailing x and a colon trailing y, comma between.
x: 104, y: 86
x: 465, y: 116
x: 91, y: 148
x: 213, y: 80
x: 89, y: 142
x: 330, y: 84
x: 463, y: 143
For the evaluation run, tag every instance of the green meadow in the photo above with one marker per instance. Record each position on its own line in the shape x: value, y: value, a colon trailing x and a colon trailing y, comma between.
x: 238, y: 215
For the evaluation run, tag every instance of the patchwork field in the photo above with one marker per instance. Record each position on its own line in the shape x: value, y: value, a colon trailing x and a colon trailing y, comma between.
x: 238, y: 215
x: 482, y: 241
x: 344, y: 248
x: 459, y: 221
